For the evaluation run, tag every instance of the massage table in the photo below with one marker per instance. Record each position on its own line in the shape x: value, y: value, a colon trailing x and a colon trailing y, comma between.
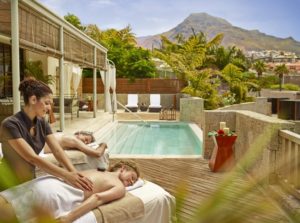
x: 159, y: 205
x: 148, y: 203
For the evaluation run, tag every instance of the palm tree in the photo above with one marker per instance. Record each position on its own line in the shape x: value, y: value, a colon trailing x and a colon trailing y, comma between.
x: 260, y: 67
x: 186, y: 56
x: 203, y: 84
x: 126, y: 35
x: 238, y: 82
x: 281, y: 70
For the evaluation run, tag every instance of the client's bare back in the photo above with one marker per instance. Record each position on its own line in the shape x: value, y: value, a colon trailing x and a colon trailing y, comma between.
x: 102, y: 181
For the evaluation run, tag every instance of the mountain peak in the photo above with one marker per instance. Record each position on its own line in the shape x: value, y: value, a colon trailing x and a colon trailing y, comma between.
x: 204, y: 17
x: 211, y: 26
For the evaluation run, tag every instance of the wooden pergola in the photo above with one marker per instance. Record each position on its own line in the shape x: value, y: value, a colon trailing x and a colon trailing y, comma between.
x: 29, y: 25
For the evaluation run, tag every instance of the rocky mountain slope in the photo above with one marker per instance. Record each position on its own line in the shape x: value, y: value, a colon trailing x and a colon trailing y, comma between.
x: 210, y: 25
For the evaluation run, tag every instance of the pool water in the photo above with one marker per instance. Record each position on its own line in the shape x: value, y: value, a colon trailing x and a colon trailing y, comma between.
x: 155, y: 138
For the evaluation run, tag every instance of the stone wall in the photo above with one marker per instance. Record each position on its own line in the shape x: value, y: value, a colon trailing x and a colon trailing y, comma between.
x: 280, y: 94
x: 260, y: 105
x: 192, y: 110
x: 257, y: 134
x: 258, y: 137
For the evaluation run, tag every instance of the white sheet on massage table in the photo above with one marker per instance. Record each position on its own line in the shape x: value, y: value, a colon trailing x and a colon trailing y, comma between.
x: 159, y: 205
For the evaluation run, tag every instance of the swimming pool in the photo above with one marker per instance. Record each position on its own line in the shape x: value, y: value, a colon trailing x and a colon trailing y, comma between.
x: 155, y: 138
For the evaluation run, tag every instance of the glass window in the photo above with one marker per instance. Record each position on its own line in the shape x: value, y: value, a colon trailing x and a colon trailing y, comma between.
x: 6, y: 70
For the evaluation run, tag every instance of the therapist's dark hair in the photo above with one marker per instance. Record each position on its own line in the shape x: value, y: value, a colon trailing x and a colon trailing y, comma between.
x: 30, y: 86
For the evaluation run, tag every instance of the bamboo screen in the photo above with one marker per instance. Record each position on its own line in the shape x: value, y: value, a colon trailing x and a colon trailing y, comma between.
x: 101, y: 59
x: 77, y: 51
x: 38, y: 33
x: 5, y: 18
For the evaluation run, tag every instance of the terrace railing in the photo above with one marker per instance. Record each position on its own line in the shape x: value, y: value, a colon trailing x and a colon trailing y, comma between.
x: 288, y: 162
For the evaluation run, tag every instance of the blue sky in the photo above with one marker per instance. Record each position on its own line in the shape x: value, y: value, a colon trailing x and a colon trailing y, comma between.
x: 279, y: 18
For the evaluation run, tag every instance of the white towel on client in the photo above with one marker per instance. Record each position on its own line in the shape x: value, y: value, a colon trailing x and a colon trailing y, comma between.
x: 100, y: 163
x: 48, y: 193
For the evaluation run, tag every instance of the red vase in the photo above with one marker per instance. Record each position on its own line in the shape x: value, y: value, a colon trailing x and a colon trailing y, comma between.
x: 222, y: 158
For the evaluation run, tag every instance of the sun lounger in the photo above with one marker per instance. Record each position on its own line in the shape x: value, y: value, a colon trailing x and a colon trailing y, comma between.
x: 132, y: 102
x: 155, y: 105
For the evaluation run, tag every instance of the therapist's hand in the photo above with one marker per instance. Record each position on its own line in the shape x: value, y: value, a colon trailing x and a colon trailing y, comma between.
x: 78, y: 180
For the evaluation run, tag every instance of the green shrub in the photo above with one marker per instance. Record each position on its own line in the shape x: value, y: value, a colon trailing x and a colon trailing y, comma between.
x: 287, y: 87
x: 291, y: 87
x: 268, y: 81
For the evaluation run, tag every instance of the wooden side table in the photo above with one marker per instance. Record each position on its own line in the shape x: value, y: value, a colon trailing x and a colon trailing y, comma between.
x: 222, y: 158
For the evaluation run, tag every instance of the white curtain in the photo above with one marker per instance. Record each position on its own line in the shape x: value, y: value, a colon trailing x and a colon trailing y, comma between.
x: 109, y: 81
x: 106, y: 80
x: 68, y: 77
x: 76, y: 77
x: 113, y: 85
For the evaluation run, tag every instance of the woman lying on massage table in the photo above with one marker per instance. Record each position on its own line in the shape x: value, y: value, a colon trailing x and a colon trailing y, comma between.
x: 79, y: 141
x: 63, y: 201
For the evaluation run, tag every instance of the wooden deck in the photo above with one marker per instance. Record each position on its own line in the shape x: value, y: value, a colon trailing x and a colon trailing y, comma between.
x: 218, y: 197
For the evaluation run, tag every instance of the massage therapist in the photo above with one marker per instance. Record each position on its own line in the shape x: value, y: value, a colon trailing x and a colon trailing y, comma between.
x: 23, y: 136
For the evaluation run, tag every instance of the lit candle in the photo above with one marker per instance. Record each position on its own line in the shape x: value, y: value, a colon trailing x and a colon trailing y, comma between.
x: 226, y: 131
x: 222, y: 125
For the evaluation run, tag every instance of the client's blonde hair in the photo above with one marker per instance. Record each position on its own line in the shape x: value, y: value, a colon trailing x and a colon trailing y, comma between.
x: 128, y: 165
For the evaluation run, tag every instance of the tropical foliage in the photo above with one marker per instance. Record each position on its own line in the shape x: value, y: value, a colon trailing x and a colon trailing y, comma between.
x: 260, y: 67
x: 281, y: 70
x: 268, y: 80
x: 288, y: 87
x: 75, y: 21
x: 130, y: 61
x: 205, y: 65
x: 34, y: 69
